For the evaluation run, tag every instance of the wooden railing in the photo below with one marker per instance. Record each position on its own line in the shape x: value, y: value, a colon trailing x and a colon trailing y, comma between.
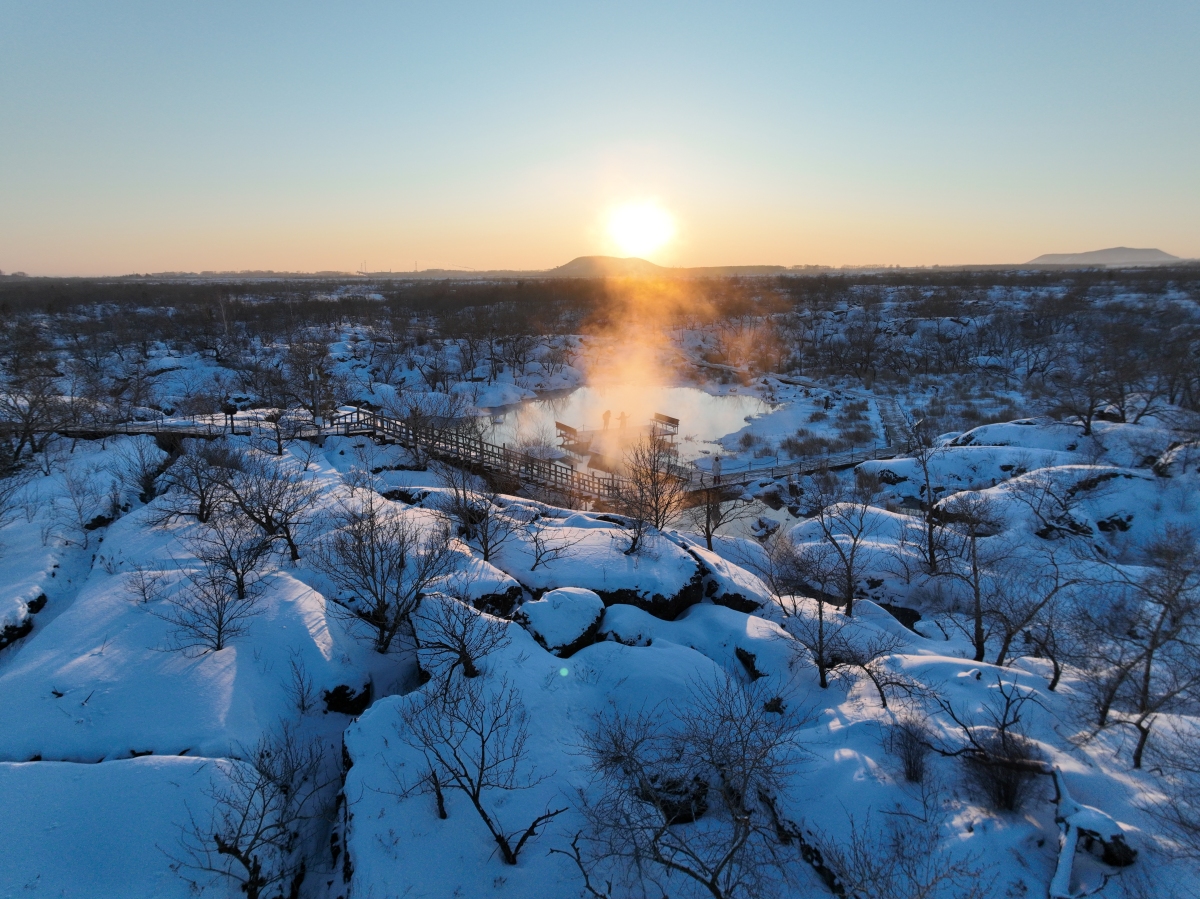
x: 469, y: 448
x: 460, y: 445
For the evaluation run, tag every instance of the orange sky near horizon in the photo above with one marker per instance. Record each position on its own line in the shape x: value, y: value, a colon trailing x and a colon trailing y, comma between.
x: 307, y: 137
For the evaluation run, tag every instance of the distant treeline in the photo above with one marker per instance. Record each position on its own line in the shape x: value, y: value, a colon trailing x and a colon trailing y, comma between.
x: 321, y: 301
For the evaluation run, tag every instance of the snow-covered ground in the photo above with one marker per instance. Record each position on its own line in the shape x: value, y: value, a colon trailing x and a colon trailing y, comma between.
x: 113, y: 739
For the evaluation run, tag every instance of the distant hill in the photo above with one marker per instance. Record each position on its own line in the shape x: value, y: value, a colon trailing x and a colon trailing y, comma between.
x: 604, y: 267
x: 614, y: 267
x: 1111, y: 256
x: 607, y: 267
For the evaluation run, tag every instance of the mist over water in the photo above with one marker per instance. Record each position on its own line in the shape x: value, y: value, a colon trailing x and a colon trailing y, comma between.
x: 703, y: 417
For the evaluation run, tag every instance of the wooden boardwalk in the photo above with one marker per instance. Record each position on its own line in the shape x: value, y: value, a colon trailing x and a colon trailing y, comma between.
x: 456, y: 446
x: 471, y: 450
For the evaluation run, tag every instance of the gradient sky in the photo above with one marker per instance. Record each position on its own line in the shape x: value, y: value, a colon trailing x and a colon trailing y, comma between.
x: 291, y: 136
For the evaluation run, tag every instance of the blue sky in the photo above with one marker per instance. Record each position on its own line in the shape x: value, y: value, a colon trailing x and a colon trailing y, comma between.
x: 192, y: 136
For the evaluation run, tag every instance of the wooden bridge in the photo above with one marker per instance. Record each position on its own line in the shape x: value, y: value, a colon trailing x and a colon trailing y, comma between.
x: 459, y: 446
x: 456, y: 446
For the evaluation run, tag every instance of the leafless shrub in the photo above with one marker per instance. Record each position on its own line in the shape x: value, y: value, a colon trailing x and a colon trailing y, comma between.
x: 473, y: 735
x: 903, y: 858
x: 1000, y: 757
x: 654, y: 778
x: 261, y: 832
x: 299, y: 686
x: 146, y: 585
x: 908, y: 739
x: 78, y: 505
x: 361, y: 475
x: 136, y: 468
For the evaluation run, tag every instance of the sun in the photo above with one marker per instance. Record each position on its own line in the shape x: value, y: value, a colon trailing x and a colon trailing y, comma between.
x: 639, y: 229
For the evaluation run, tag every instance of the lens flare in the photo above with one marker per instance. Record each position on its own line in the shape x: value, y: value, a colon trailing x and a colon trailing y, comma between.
x: 639, y: 229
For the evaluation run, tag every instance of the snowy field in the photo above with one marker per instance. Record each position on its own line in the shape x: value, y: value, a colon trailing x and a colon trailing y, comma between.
x: 276, y: 665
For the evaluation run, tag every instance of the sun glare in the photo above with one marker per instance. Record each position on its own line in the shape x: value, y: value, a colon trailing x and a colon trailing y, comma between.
x: 639, y: 229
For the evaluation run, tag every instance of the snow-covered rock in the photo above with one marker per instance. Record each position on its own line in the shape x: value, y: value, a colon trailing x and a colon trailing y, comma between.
x: 563, y: 620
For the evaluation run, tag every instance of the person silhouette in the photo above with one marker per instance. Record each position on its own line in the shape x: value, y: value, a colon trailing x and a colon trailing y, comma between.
x: 716, y: 469
x: 622, y: 418
x: 606, y: 416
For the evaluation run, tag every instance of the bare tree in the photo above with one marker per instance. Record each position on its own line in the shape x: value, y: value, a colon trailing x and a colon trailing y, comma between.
x: 782, y: 565
x: 197, y: 480
x: 845, y: 518
x: 453, y: 635
x: 386, y: 561
x: 813, y: 567
x: 1026, y: 604
x: 426, y: 414
x: 12, y: 496
x: 280, y: 427
x: 829, y: 641
x: 275, y: 496
x: 30, y: 408
x: 1143, y: 645
x: 546, y: 544
x: 925, y: 454
x: 1048, y: 498
x: 206, y: 613
x: 652, y: 490
x: 474, y: 735
x: 311, y: 382
x: 713, y: 508
x: 723, y: 759
x: 261, y: 831
x: 1179, y: 808
x: 981, y: 566
x: 234, y: 547
x: 478, y: 509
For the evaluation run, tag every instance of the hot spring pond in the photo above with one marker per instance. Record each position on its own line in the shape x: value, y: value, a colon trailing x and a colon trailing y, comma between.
x: 703, y: 418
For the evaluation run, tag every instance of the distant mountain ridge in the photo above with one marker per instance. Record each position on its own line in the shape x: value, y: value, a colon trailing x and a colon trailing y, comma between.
x: 633, y: 267
x: 1111, y: 256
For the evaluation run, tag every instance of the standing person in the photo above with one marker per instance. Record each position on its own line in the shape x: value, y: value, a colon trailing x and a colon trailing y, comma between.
x: 622, y: 418
x: 716, y: 470
x: 606, y: 416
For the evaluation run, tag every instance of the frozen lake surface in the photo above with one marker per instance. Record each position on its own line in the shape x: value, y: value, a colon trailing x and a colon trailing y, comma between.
x: 703, y: 418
